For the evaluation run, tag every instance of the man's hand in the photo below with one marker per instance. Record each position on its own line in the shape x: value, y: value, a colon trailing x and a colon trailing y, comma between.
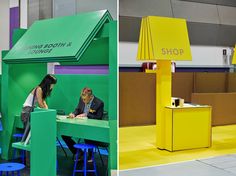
x: 81, y: 115
x: 71, y: 115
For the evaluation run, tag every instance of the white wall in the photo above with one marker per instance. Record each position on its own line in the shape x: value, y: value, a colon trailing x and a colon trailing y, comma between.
x: 207, y: 56
x: 128, y: 54
x: 71, y: 7
x: 92, y: 5
x: 4, y: 27
x: 24, y: 14
x: 192, y: 11
x: 140, y: 8
x: 14, y: 3
x: 202, y: 56
x: 64, y: 8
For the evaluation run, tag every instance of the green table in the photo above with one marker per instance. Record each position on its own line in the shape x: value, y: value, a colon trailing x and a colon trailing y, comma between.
x: 87, y: 129
x: 91, y: 129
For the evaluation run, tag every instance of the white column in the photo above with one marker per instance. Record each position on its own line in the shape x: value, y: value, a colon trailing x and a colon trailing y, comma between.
x: 4, y: 29
x: 24, y: 14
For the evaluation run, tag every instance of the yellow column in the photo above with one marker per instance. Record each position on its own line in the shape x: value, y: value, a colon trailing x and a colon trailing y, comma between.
x: 163, y: 98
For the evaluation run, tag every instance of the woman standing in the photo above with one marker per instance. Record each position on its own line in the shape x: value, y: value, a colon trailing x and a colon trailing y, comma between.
x: 37, y: 96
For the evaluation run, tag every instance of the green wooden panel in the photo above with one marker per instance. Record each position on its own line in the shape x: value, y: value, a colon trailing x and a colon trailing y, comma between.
x: 22, y: 79
x: 5, y: 139
x: 66, y: 93
x: 4, y: 53
x: 17, y: 34
x: 43, y: 143
x: 18, y: 122
x: 96, y: 54
x: 113, y: 153
x: 0, y: 90
x: 104, y: 32
x: 113, y: 69
x: 17, y: 81
x: 58, y: 38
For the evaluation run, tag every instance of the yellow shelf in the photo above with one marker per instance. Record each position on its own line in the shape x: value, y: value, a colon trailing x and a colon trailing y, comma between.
x: 150, y: 71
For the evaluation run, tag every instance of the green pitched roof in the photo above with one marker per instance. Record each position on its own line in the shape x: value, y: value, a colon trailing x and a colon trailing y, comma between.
x: 62, y: 39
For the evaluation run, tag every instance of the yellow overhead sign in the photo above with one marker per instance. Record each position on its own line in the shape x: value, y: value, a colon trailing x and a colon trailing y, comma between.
x: 163, y: 38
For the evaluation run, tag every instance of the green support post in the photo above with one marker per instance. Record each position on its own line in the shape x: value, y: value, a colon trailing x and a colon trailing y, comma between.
x: 15, y: 89
x: 43, y: 143
x: 113, y: 95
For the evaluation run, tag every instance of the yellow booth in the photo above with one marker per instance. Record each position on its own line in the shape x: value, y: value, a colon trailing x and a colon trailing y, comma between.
x: 178, y: 128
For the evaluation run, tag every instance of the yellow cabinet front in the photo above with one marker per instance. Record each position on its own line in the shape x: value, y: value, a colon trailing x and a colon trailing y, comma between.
x: 187, y: 127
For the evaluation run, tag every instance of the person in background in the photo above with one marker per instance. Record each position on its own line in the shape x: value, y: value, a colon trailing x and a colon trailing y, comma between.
x: 88, y: 106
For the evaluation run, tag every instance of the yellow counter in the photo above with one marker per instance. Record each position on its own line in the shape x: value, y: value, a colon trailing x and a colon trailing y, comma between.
x: 187, y: 127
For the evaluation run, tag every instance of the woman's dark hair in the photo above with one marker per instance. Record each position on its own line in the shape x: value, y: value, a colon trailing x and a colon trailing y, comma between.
x: 45, y: 85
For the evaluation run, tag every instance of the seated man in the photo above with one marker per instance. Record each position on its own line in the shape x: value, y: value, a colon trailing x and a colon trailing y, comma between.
x: 89, y: 106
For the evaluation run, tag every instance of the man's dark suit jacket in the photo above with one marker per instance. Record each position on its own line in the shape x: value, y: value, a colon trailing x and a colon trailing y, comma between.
x: 95, y: 111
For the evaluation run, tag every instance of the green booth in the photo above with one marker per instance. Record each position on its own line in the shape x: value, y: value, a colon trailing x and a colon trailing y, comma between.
x: 85, y: 39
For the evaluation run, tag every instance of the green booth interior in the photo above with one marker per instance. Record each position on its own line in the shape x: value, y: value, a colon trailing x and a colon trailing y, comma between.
x: 66, y: 93
x: 83, y: 39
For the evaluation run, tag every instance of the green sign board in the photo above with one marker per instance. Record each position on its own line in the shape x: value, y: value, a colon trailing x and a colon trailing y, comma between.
x: 58, y: 39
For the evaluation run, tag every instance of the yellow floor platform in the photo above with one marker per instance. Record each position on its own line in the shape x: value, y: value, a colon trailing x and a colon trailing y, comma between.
x: 137, y: 147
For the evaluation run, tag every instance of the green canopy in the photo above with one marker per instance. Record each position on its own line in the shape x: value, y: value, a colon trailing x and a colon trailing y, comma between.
x: 62, y: 39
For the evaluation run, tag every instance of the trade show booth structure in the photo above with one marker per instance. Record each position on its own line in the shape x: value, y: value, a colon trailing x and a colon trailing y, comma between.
x: 187, y: 127
x: 87, y: 39
x: 164, y: 39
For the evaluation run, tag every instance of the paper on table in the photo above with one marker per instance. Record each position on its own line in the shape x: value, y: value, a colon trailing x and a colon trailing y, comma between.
x: 61, y: 117
x: 81, y: 118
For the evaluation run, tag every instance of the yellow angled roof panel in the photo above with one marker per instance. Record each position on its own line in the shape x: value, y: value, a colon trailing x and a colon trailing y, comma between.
x: 164, y: 39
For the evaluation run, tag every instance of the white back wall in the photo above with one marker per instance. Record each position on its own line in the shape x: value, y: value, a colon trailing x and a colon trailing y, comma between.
x: 14, y: 3
x: 202, y: 56
x: 71, y: 7
x: 4, y: 27
x: 64, y: 8
x: 24, y: 14
x: 92, y: 5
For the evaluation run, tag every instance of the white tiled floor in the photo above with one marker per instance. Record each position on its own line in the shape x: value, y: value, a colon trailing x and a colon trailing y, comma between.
x: 217, y: 166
